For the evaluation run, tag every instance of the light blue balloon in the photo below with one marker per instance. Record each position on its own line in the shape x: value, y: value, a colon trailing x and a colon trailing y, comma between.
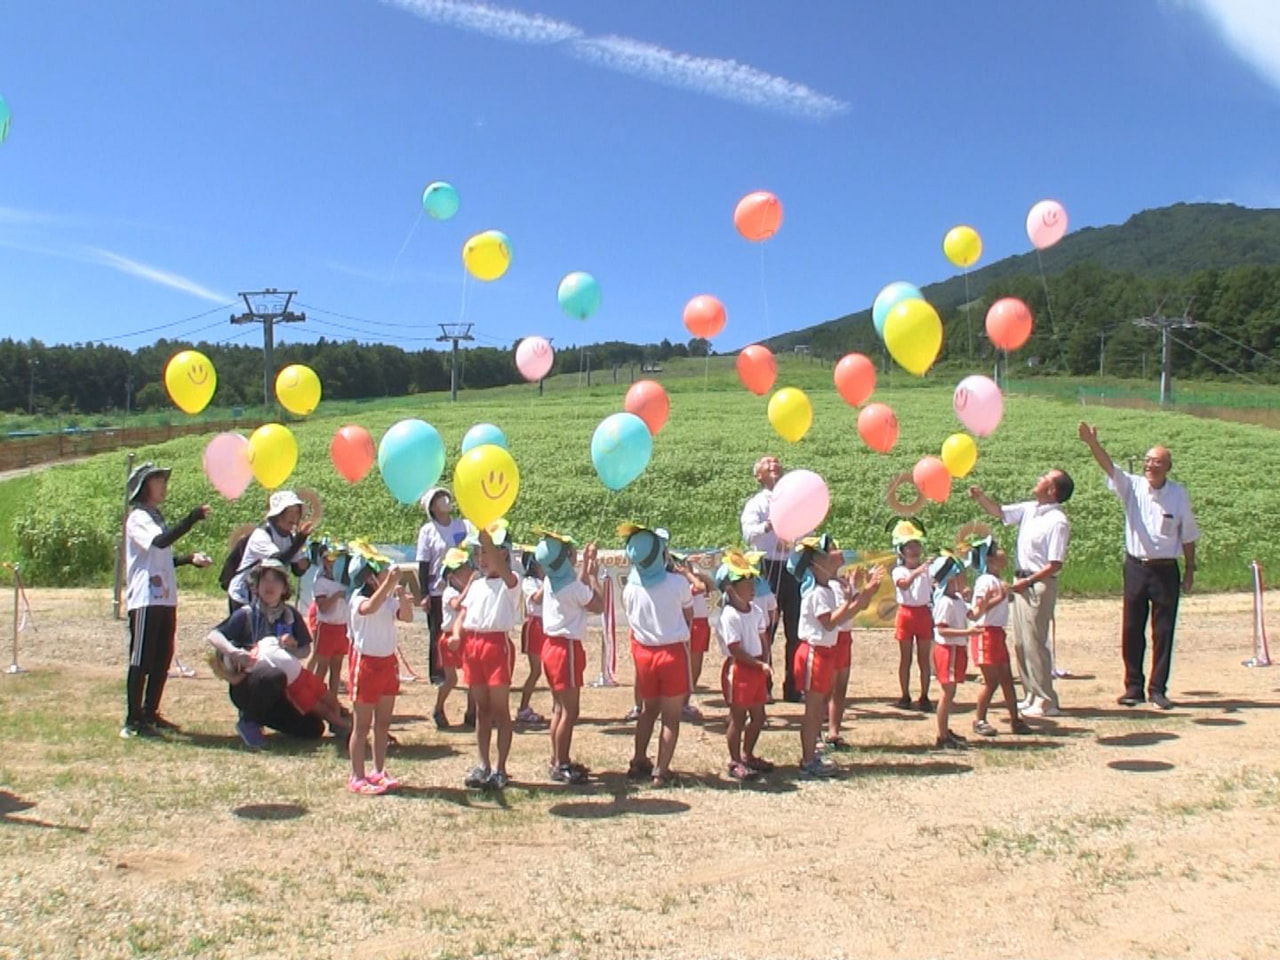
x: 890, y: 297
x: 411, y: 459
x: 440, y: 200
x: 483, y: 433
x: 579, y: 295
x: 620, y: 449
x: 4, y: 120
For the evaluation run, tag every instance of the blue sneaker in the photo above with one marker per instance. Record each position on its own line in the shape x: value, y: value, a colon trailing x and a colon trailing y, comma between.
x: 251, y: 734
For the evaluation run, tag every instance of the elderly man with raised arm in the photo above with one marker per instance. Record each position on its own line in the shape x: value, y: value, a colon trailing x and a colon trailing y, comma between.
x: 1043, y: 534
x: 1159, y: 527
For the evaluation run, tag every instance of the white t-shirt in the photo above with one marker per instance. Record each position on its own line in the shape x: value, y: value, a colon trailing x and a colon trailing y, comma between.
x: 530, y: 586
x: 656, y: 614
x: 564, y: 611
x: 326, y: 587
x: 269, y: 657
x: 264, y: 542
x: 1043, y: 534
x: 434, y: 541
x: 767, y: 602
x: 743, y: 628
x: 950, y: 612
x: 819, y: 600
x: 491, y: 606
x: 374, y: 634
x: 996, y: 615
x: 1157, y: 521
x: 755, y: 531
x: 448, y: 614
x: 150, y: 569
x: 700, y: 608
x: 918, y: 594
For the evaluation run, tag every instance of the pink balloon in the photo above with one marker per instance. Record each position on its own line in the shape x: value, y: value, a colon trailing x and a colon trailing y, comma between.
x: 1046, y: 224
x: 534, y: 357
x: 979, y: 404
x: 226, y: 464
x: 799, y: 504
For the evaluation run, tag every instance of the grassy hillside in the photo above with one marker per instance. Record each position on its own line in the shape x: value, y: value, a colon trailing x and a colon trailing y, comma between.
x: 701, y: 470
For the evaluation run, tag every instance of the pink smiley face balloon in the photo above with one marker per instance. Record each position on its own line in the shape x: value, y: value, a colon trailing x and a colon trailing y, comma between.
x: 1046, y: 224
x: 534, y: 357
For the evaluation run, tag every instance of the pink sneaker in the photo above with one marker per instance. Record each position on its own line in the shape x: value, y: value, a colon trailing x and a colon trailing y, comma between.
x: 364, y: 787
x: 380, y: 778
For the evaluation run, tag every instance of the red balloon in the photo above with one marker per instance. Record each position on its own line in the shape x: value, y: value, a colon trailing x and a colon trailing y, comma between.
x: 855, y: 377
x: 758, y: 215
x: 1009, y: 323
x: 352, y: 452
x: 757, y: 369
x: 648, y: 401
x: 704, y: 316
x: 878, y: 427
x: 932, y: 478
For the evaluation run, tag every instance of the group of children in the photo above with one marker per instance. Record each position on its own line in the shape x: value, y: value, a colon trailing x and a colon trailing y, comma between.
x: 477, y: 584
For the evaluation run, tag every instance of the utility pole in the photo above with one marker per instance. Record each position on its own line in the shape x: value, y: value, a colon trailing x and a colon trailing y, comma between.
x: 455, y: 332
x: 128, y: 394
x: 268, y: 308
x: 1102, y: 351
x: 1164, y: 324
x: 31, y: 385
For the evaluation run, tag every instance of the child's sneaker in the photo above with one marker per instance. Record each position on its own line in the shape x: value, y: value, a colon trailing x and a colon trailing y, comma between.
x: 924, y: 705
x: 690, y: 712
x: 440, y: 720
x: 477, y: 778
x: 817, y: 768
x: 528, y: 715
x: 365, y: 787
x: 758, y: 764
x: 499, y: 780
x: 983, y: 729
x: 251, y: 733
x: 632, y: 715
x: 380, y: 778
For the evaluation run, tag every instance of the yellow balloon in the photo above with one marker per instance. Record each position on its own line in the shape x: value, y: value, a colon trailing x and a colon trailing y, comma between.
x: 959, y: 454
x: 791, y: 413
x: 487, y: 255
x: 913, y: 334
x: 273, y: 453
x: 485, y: 483
x: 298, y: 389
x: 962, y: 245
x: 190, y: 379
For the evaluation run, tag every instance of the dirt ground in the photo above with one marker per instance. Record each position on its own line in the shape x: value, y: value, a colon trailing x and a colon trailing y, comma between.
x: 1110, y: 833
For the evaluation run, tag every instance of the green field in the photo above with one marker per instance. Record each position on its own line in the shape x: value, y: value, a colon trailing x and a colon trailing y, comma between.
x: 700, y: 474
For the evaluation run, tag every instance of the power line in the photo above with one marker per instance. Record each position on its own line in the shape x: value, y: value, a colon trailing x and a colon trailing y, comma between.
x: 364, y: 320
x: 370, y: 334
x: 164, y: 326
x: 1183, y: 343
x: 1238, y: 343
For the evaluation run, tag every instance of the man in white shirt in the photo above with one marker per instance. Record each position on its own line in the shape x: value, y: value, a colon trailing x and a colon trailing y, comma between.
x: 1159, y: 527
x: 1043, y: 535
x: 757, y: 532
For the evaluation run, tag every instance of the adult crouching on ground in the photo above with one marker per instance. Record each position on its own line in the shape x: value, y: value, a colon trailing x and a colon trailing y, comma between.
x: 757, y: 531
x: 1043, y: 535
x: 282, y: 537
x: 152, y: 597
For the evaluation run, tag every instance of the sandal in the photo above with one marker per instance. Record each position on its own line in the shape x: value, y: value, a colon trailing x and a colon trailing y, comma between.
x: 384, y: 780
x: 364, y: 787
x: 758, y: 764
x: 740, y: 771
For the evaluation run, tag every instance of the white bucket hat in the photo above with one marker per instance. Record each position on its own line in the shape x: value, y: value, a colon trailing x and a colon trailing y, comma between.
x: 281, y: 501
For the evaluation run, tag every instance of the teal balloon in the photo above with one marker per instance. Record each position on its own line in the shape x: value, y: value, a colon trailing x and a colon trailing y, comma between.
x: 890, y: 297
x: 484, y: 433
x: 410, y: 459
x: 579, y: 295
x: 440, y: 200
x: 620, y: 449
x: 4, y: 120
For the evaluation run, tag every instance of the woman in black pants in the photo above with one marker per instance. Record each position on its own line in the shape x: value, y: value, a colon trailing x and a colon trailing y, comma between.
x: 152, y: 596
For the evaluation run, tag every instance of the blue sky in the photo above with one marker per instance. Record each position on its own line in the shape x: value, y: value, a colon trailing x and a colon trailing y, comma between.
x: 165, y: 156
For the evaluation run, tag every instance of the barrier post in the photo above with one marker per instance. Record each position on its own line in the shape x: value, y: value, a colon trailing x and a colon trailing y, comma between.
x: 13, y: 667
x: 1261, y: 654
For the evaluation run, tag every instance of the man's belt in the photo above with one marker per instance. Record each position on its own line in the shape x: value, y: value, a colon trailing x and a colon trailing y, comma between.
x: 1153, y: 561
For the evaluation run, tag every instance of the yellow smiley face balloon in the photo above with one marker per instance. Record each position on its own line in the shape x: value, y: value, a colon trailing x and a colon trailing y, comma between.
x: 298, y: 389
x: 273, y: 453
x: 487, y: 255
x: 485, y: 483
x: 190, y: 379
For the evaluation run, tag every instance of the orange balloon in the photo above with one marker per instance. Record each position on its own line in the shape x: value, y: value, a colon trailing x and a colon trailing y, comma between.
x: 878, y: 427
x: 855, y: 377
x: 352, y: 452
x: 648, y: 401
x: 1009, y: 323
x: 758, y: 215
x: 757, y: 369
x: 704, y: 316
x: 932, y: 478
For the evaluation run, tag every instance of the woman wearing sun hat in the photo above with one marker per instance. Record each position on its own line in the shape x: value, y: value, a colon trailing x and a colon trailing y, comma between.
x: 281, y: 538
x: 152, y: 597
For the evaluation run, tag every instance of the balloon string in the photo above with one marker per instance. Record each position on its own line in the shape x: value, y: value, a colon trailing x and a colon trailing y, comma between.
x: 764, y: 295
x: 404, y: 246
x: 967, y: 323
x: 1048, y: 304
x: 462, y: 312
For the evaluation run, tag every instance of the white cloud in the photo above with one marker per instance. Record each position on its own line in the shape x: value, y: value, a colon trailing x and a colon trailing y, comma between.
x: 152, y: 274
x: 500, y: 23
x: 15, y: 217
x: 726, y: 79
x: 709, y: 76
x: 1251, y: 28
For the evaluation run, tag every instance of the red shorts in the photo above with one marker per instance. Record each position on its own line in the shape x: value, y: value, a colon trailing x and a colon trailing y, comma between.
x: 332, y: 640
x: 989, y: 650
x: 700, y: 635
x: 373, y: 678
x: 532, y: 637
x: 661, y: 671
x: 743, y: 685
x: 913, y: 623
x: 487, y: 659
x: 950, y: 661
x: 565, y: 662
x: 815, y: 668
x: 844, y: 650
x: 305, y: 692
x: 448, y: 659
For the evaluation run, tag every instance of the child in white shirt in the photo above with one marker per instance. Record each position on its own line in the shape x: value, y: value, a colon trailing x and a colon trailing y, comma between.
x: 991, y: 611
